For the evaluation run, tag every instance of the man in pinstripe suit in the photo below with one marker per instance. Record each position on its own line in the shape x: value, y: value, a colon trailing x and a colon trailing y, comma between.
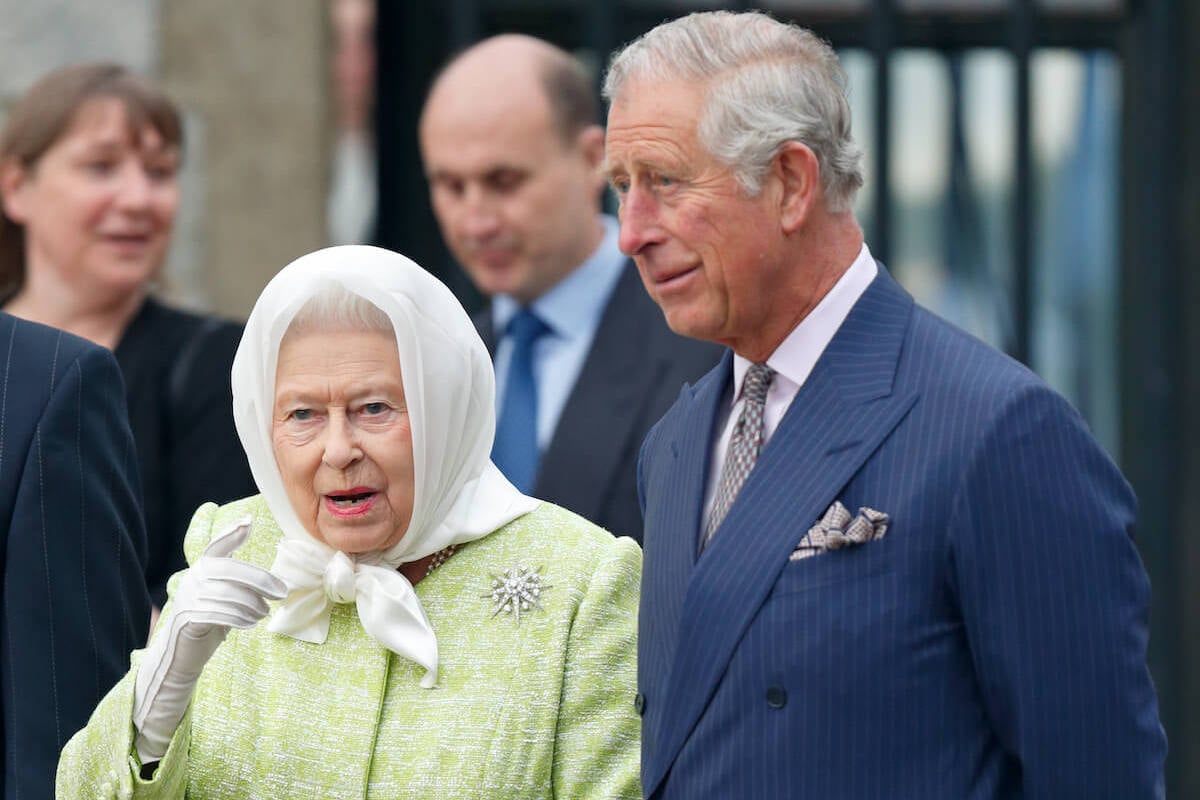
x: 75, y: 603
x: 882, y: 560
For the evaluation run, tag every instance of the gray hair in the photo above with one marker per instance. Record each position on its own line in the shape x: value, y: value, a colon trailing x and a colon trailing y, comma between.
x: 768, y: 83
x: 334, y: 307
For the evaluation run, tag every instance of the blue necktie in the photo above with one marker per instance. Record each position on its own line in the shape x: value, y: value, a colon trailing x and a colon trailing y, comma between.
x: 515, y: 450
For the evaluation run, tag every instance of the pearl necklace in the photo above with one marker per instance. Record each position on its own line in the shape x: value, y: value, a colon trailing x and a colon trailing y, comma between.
x: 440, y: 558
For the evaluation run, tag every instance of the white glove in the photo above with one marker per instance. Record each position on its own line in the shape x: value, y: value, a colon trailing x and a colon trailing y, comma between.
x: 215, y: 594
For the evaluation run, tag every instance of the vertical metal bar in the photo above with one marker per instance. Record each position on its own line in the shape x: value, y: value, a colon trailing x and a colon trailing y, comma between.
x: 1021, y: 37
x: 1157, y: 418
x: 1179, y: 25
x: 881, y: 36
x: 964, y: 251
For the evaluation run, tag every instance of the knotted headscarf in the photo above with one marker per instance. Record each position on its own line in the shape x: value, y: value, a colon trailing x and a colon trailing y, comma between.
x: 449, y: 390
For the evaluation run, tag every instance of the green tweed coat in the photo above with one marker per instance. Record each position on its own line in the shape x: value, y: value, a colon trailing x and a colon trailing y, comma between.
x: 538, y: 708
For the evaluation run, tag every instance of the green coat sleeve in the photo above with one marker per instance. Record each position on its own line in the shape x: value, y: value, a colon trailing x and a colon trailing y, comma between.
x: 100, y: 761
x: 597, y: 748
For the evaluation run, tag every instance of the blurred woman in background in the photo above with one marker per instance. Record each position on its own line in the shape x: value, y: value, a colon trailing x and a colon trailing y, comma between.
x: 89, y: 158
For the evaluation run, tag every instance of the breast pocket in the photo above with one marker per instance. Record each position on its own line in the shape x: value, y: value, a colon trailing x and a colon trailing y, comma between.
x: 858, y: 562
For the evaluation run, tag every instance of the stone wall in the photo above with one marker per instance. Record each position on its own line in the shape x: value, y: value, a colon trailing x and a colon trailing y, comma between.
x: 254, y: 73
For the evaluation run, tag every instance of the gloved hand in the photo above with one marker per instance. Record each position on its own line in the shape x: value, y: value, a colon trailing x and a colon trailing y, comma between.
x: 215, y: 594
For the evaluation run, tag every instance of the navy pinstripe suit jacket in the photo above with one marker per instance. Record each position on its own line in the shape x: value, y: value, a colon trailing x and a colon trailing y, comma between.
x: 991, y: 645
x: 71, y: 544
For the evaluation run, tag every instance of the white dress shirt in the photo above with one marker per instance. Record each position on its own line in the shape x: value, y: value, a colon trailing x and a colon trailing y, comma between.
x: 792, y: 361
x: 572, y: 310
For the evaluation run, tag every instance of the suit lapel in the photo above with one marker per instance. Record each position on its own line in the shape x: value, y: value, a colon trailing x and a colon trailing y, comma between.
x: 578, y: 465
x: 839, y: 417
x: 671, y: 549
x: 485, y: 326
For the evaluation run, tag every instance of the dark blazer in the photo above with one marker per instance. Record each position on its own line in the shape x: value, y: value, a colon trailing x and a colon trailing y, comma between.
x: 631, y: 375
x: 991, y: 645
x: 176, y: 366
x: 72, y: 540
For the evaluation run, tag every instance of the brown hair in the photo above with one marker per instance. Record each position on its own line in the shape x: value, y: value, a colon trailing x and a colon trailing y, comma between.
x: 47, y: 110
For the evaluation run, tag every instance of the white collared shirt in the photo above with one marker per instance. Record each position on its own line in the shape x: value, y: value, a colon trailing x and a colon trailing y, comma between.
x: 792, y: 361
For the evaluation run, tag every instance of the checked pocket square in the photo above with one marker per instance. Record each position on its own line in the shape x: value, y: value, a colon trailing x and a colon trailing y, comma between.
x: 837, y: 529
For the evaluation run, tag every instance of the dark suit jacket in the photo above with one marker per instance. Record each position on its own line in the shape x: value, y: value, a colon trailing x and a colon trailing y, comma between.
x: 71, y: 543
x: 176, y: 365
x: 632, y: 373
x: 991, y: 645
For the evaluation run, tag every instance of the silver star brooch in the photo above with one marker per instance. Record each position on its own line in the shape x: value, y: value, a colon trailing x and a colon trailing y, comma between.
x: 516, y: 591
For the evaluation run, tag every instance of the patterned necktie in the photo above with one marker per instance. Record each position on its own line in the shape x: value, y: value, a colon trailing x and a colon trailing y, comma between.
x: 515, y: 449
x: 744, y: 446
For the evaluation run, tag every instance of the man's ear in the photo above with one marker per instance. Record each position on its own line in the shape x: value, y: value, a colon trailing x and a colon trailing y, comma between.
x: 799, y: 175
x: 591, y: 145
x: 13, y: 179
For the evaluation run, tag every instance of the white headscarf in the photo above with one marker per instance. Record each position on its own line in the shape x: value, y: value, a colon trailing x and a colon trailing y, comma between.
x: 449, y: 388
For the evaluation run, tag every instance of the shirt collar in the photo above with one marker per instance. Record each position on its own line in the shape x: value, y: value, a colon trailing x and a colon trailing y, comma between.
x: 797, y: 354
x: 573, y: 305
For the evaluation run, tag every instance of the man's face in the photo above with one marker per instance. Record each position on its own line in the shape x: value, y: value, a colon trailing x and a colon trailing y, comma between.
x: 707, y: 253
x: 517, y: 205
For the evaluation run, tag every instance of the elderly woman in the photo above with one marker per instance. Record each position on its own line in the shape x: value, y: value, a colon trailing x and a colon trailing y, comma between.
x: 437, y: 633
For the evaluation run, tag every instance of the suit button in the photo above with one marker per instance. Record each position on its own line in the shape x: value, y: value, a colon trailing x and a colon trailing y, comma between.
x: 639, y: 703
x: 776, y: 697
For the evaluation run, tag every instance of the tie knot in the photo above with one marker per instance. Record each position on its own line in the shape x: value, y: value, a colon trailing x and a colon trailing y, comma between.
x: 525, y: 327
x: 758, y: 381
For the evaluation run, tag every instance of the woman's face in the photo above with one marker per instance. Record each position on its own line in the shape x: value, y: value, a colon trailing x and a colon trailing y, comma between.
x: 99, y: 204
x: 342, y: 437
